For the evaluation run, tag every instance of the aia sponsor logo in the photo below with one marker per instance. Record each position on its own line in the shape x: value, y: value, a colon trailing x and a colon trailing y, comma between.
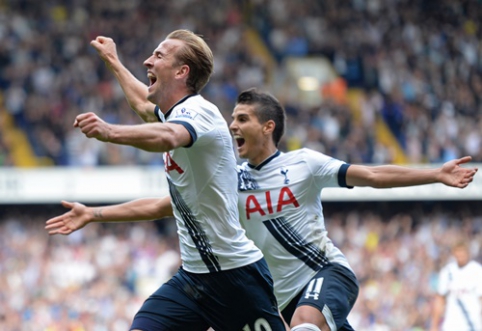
x: 275, y: 201
x: 171, y: 165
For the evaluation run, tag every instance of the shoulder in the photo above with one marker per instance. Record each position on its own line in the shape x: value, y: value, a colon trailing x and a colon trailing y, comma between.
x: 476, y: 266
x: 449, y: 267
x: 200, y: 113
x: 197, y: 102
x: 189, y: 108
x: 312, y: 154
x: 318, y: 160
x: 304, y: 153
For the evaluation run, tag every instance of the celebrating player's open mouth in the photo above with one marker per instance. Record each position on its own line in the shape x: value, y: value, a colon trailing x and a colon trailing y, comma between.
x: 239, y: 141
x: 247, y: 132
x: 152, y: 80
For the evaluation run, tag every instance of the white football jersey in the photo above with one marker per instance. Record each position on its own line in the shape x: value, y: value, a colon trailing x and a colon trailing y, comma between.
x: 462, y: 288
x: 280, y: 208
x: 203, y: 187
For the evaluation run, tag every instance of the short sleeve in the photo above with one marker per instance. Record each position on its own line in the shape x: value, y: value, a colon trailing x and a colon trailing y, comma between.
x: 327, y: 171
x: 197, y: 122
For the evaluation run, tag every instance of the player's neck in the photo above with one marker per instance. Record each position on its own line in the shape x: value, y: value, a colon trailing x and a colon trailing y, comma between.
x: 171, y: 99
x: 263, y: 155
x: 462, y: 264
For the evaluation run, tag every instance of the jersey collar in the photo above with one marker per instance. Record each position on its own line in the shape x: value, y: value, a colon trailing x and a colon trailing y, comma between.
x: 262, y: 164
x: 177, y: 103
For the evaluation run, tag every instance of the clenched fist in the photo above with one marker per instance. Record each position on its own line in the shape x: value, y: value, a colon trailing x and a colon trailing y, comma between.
x: 93, y: 126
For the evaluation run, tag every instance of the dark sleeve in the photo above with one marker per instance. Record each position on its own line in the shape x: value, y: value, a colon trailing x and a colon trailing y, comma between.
x: 156, y: 112
x: 342, y: 175
x: 190, y: 129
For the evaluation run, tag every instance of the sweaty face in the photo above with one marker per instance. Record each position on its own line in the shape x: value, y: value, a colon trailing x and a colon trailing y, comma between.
x: 162, y: 68
x: 248, y: 134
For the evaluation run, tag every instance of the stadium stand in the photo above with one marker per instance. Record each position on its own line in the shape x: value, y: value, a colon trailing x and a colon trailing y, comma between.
x: 96, y: 278
x: 408, y: 90
x: 422, y: 81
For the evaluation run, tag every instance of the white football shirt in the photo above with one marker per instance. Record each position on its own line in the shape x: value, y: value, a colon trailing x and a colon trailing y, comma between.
x: 203, y: 188
x: 280, y: 208
x: 462, y: 288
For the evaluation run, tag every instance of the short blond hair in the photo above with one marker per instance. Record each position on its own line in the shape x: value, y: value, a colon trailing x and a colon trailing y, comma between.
x: 197, y: 55
x: 460, y: 244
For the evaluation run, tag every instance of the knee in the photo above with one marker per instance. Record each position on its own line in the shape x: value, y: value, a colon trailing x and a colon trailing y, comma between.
x: 306, y: 327
x: 307, y: 316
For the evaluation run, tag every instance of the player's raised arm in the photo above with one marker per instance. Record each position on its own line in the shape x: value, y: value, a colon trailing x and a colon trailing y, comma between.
x: 79, y: 215
x: 385, y: 176
x: 134, y: 90
x: 151, y: 137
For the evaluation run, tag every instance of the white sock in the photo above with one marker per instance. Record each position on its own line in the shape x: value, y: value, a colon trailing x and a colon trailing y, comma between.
x: 306, y: 327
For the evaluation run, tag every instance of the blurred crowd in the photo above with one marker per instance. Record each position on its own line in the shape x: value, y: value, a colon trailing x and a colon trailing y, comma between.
x: 397, y: 254
x: 93, y: 280
x: 417, y: 61
x: 97, y: 278
x: 50, y: 73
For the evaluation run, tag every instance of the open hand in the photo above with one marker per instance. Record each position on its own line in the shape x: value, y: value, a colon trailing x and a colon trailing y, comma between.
x: 453, y: 174
x: 76, y: 218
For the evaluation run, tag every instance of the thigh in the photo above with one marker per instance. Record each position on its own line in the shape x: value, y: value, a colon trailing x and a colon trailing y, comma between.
x: 241, y: 299
x: 332, y: 291
x: 170, y: 308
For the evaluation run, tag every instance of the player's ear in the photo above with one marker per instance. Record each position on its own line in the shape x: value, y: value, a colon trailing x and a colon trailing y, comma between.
x: 268, y: 127
x: 183, y: 71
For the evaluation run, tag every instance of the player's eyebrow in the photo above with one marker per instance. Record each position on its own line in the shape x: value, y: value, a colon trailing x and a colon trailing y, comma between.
x: 158, y: 52
x: 165, y: 50
x: 239, y: 115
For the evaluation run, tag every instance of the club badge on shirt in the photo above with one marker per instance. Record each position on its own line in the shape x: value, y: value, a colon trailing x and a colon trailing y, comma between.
x: 284, y: 172
x: 186, y: 113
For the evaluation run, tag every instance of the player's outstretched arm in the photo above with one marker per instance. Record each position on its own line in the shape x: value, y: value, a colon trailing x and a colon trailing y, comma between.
x: 385, y: 176
x: 134, y: 90
x: 79, y: 215
x: 151, y: 137
x: 437, y: 312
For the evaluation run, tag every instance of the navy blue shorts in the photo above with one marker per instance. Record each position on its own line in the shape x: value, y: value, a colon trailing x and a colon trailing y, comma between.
x: 230, y: 300
x: 333, y: 291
